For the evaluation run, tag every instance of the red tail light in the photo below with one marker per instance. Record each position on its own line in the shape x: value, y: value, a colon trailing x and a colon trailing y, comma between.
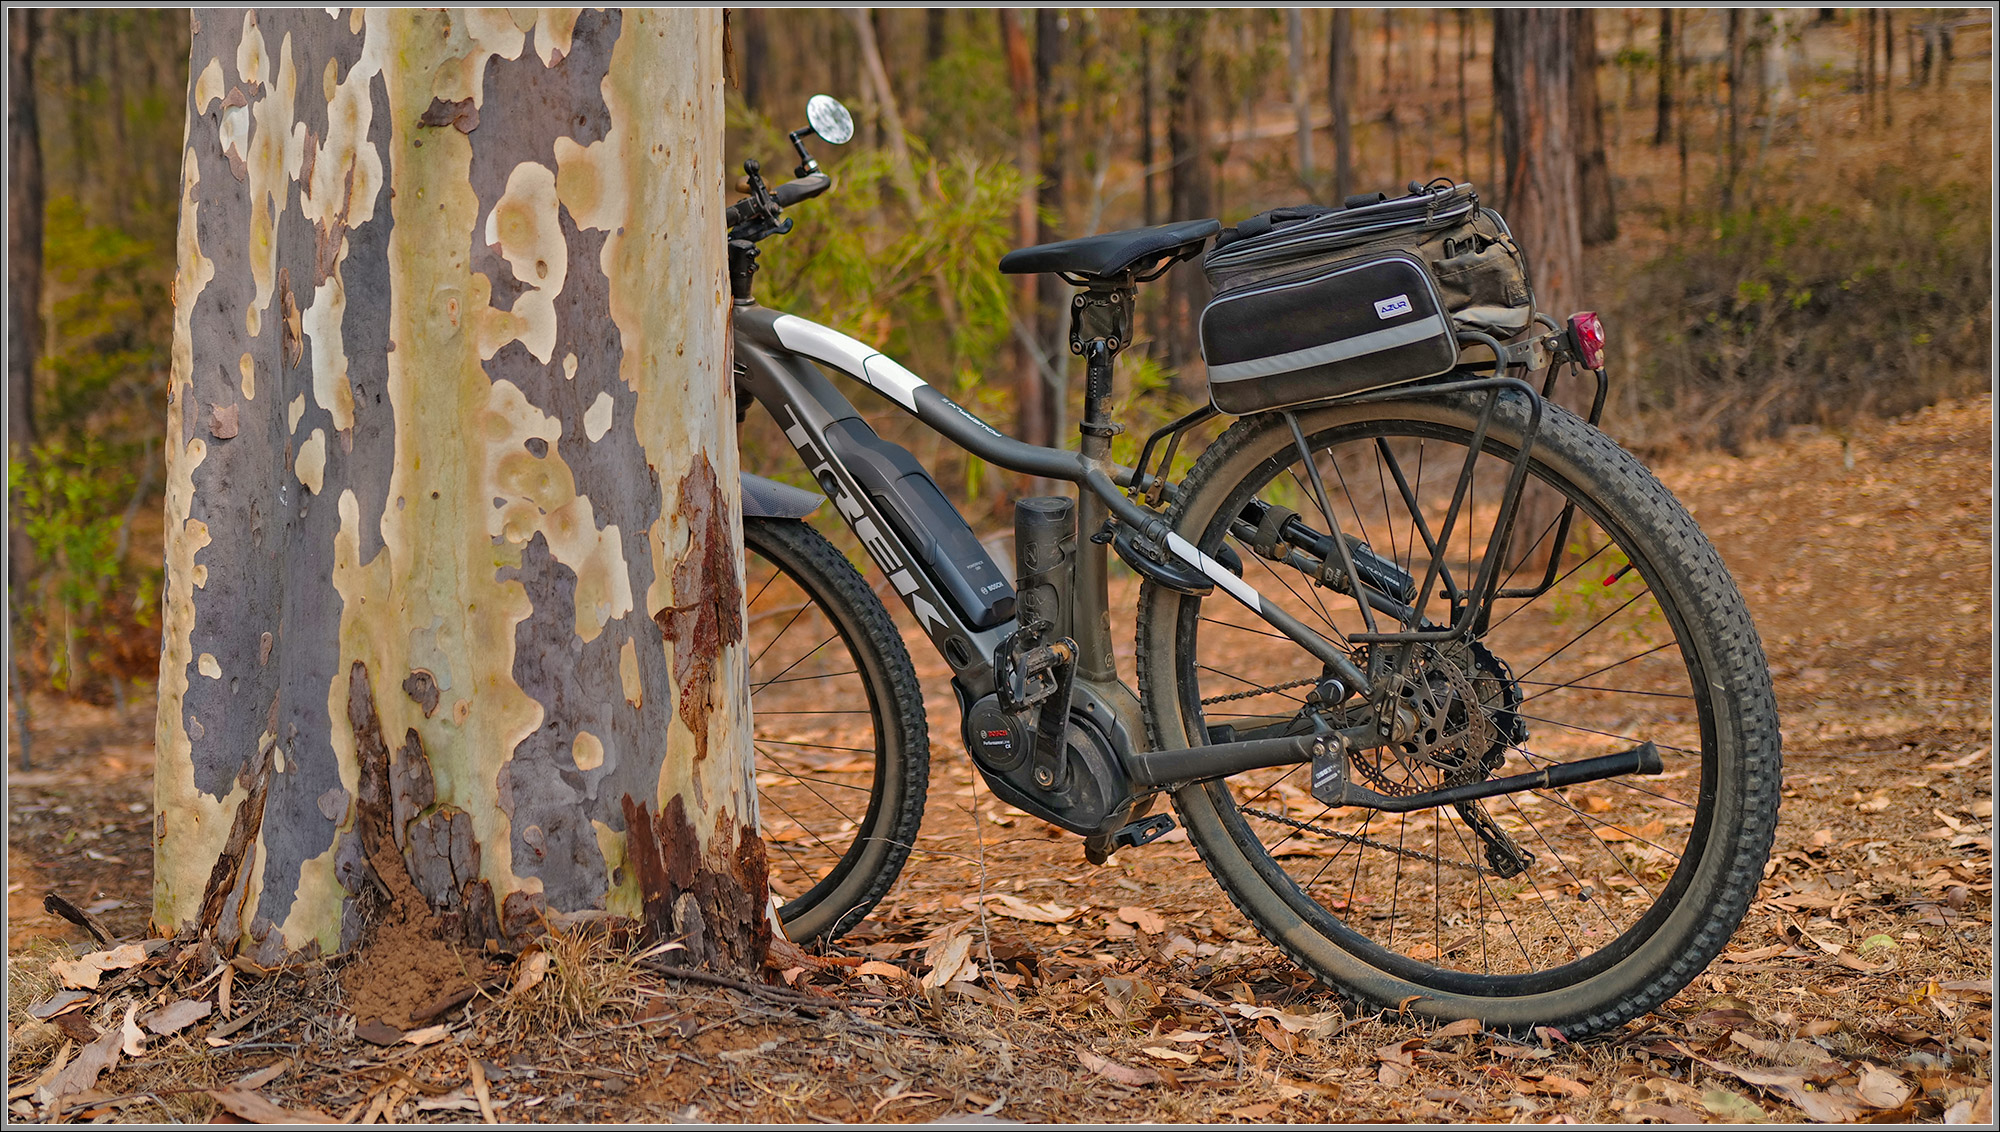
x: 1586, y: 333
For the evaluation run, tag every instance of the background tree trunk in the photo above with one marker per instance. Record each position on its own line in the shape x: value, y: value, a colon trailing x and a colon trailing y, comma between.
x: 1295, y: 41
x: 1190, y: 191
x: 1053, y: 104
x: 1340, y: 99
x: 24, y: 231
x: 1733, y: 154
x: 453, y: 602
x: 1598, y: 218
x: 1669, y: 79
x: 1533, y: 61
x: 1031, y: 409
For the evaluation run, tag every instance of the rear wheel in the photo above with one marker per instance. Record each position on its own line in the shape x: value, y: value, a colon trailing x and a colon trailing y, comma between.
x: 1631, y: 885
x: 843, y: 753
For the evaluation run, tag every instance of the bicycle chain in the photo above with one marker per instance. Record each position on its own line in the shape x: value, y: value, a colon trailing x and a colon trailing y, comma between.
x: 1258, y: 692
x: 1360, y: 839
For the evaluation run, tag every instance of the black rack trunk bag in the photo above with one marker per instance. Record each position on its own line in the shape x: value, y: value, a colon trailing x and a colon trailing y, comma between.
x: 1313, y: 303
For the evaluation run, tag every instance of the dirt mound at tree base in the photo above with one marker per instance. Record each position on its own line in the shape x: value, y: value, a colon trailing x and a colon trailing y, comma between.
x: 406, y: 967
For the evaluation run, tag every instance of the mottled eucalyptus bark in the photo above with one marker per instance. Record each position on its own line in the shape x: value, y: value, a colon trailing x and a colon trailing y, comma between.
x: 453, y: 606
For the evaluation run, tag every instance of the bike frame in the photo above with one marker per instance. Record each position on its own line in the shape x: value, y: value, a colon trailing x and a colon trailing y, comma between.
x: 777, y: 363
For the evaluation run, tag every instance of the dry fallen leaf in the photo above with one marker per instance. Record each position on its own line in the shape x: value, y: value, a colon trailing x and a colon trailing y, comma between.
x: 80, y: 1074
x: 949, y: 960
x: 886, y: 970
x: 1145, y: 919
x: 1879, y: 1088
x: 83, y: 973
x: 1162, y: 1053
x: 1112, y: 1071
x: 429, y: 1035
x: 534, y: 968
x: 132, y: 1040
x: 1461, y: 1028
x: 1831, y: 1106
x: 1254, y: 1111
x: 254, y: 1108
x: 176, y: 1016
x: 1001, y: 904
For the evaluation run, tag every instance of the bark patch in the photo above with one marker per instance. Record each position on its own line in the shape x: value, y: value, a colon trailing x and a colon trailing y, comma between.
x: 408, y: 961
x: 710, y: 615
x: 243, y: 830
x: 715, y: 908
x: 463, y: 114
x: 422, y: 688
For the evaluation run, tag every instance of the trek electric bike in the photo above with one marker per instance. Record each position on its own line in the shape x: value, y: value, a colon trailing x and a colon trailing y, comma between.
x: 1453, y: 698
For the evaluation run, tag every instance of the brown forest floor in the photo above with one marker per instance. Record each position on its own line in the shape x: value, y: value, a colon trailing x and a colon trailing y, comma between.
x: 1859, y: 987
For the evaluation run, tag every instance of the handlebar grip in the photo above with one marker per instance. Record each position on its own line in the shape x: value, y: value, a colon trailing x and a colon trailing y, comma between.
x: 805, y: 188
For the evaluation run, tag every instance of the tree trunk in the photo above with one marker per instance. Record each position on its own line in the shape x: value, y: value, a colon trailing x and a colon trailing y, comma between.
x: 1533, y: 62
x: 937, y: 33
x: 1052, y: 112
x: 1669, y: 79
x: 753, y: 50
x: 1340, y: 99
x: 1868, y: 71
x: 1888, y: 66
x: 1598, y: 217
x: 1390, y: 96
x: 1464, y: 19
x: 1147, y: 82
x: 453, y: 604
x: 24, y: 315
x: 1733, y: 154
x: 1190, y: 194
x: 24, y: 232
x: 1295, y: 36
x: 1030, y: 391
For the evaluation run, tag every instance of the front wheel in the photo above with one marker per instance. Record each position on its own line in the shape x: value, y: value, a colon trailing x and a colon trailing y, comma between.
x: 843, y: 753
x: 1577, y: 908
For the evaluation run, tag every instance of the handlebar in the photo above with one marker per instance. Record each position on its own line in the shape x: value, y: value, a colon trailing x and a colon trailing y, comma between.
x: 784, y: 196
x: 805, y: 188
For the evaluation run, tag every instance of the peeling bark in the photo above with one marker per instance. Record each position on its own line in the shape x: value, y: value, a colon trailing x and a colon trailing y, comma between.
x: 707, y: 572
x: 715, y: 908
x: 450, y: 413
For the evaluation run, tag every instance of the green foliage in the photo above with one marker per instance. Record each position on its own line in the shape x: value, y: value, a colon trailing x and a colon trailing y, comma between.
x: 110, y: 323
x: 1804, y: 311
x: 74, y: 501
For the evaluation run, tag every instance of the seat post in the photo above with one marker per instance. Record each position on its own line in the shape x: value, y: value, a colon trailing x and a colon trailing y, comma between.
x: 1100, y: 325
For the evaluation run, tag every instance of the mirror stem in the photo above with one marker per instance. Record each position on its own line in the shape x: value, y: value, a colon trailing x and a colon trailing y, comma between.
x: 807, y: 166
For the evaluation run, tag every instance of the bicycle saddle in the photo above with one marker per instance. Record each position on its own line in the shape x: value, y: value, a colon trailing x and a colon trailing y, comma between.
x: 1112, y: 253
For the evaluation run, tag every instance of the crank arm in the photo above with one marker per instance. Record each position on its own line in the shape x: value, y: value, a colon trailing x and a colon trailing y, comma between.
x: 1642, y: 759
x: 1171, y: 769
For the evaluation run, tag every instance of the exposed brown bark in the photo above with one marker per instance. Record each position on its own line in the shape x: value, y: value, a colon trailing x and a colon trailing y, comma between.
x: 24, y: 231
x: 1190, y: 191
x: 1340, y: 98
x: 442, y: 453
x: 1598, y: 219
x: 1668, y: 66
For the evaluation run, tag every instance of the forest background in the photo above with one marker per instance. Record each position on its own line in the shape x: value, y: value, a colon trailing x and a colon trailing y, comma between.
x: 1786, y: 217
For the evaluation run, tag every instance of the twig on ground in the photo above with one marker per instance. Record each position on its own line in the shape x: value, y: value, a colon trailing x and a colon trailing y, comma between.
x: 1235, y: 1045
